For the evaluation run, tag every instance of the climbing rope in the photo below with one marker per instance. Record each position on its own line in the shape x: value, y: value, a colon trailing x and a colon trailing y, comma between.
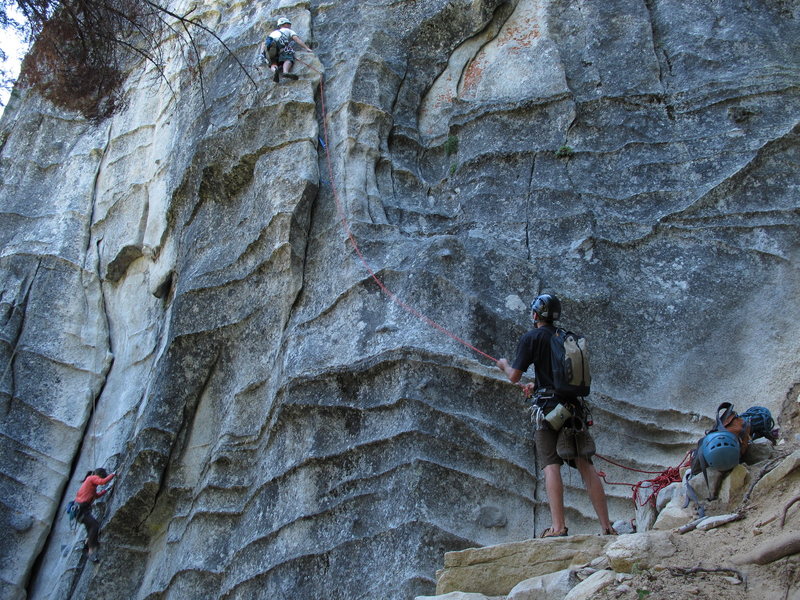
x: 661, y: 480
x: 354, y: 243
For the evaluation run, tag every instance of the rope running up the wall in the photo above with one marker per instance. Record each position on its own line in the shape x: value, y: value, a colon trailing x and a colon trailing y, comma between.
x: 354, y: 243
x: 662, y: 479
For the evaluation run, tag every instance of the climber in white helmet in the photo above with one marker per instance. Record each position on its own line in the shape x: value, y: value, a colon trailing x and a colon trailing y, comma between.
x: 279, y: 48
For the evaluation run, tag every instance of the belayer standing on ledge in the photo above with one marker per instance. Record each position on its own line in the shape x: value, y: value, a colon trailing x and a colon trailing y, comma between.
x: 561, y: 416
x: 85, y: 497
x: 278, y: 49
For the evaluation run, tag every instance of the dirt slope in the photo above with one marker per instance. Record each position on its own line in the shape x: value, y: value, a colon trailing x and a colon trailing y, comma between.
x: 721, y: 550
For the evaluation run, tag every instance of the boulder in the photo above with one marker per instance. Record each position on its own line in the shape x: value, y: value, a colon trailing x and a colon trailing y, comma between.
x: 645, y: 511
x: 496, y: 570
x: 587, y: 589
x: 641, y: 549
x: 733, y: 486
x: 553, y: 586
x: 666, y: 494
x: 703, y: 490
x: 758, y: 451
x: 624, y: 526
x: 674, y: 514
x: 771, y: 479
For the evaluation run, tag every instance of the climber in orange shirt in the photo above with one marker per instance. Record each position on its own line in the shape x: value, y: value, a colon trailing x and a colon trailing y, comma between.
x: 84, y: 498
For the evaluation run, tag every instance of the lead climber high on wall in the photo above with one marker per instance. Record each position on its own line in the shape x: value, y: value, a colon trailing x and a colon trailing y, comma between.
x: 559, y: 411
x: 279, y: 49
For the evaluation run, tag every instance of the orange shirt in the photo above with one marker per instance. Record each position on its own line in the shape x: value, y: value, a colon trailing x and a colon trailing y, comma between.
x: 88, y: 489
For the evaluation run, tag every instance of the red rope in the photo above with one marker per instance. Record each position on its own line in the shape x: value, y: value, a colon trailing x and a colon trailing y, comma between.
x: 346, y: 226
x: 608, y: 460
x: 658, y: 483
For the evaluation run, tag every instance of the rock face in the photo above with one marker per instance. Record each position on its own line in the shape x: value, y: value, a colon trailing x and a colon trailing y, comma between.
x: 180, y: 303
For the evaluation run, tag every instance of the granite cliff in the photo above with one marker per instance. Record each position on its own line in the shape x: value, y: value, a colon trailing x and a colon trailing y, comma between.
x: 180, y: 302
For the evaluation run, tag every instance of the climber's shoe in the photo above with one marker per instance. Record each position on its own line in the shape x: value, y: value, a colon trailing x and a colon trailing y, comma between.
x: 277, y: 76
x: 291, y: 76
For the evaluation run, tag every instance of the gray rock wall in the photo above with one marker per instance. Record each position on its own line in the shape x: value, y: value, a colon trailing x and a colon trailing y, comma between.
x: 180, y: 301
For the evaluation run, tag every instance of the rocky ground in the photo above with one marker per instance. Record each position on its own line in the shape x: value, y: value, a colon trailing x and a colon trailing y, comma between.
x: 731, y: 561
x: 765, y: 520
x: 706, y: 564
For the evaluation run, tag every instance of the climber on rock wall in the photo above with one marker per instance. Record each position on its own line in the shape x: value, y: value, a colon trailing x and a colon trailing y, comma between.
x: 555, y: 414
x: 86, y: 495
x: 279, y: 49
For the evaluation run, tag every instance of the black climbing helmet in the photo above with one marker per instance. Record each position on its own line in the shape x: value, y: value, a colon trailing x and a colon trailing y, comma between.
x: 547, y: 306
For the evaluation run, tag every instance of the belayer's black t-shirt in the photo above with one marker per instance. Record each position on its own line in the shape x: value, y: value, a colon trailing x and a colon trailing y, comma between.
x: 534, y: 349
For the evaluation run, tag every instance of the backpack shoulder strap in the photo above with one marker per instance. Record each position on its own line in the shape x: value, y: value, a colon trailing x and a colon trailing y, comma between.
x: 285, y: 37
x: 727, y: 412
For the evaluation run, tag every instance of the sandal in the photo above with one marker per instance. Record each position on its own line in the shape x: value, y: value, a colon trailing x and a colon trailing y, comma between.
x: 550, y: 532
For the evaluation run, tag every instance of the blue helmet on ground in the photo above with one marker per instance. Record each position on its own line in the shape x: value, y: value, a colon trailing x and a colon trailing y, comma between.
x: 720, y: 450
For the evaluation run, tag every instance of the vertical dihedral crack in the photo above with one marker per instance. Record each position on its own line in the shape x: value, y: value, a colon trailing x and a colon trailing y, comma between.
x: 14, y: 343
x: 181, y: 438
x: 284, y: 329
x: 95, y: 184
x: 528, y: 208
x: 399, y: 89
x: 648, y: 4
x: 311, y: 210
x: 389, y: 158
x: 108, y: 360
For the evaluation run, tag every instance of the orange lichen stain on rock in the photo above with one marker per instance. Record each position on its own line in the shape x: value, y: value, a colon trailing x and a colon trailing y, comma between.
x: 443, y: 99
x: 520, y: 35
x: 474, y: 72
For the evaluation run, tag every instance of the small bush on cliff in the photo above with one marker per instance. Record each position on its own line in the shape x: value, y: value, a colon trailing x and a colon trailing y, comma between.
x: 451, y: 145
x: 564, y: 152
